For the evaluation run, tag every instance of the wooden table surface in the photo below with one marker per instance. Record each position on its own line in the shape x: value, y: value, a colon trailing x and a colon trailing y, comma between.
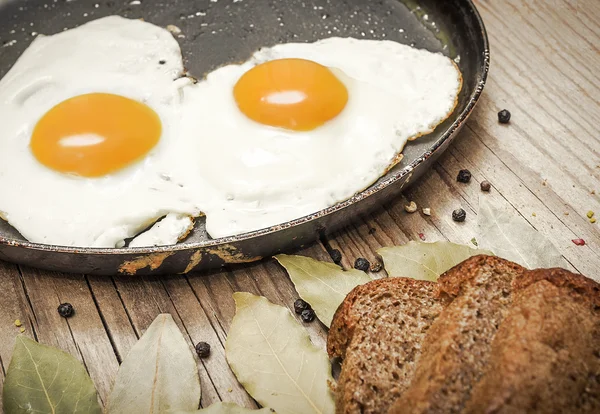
x: 545, y: 164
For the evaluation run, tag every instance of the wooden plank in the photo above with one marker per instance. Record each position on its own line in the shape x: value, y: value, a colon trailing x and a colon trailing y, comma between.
x: 13, y: 305
x: 554, y: 99
x: 114, y: 314
x: 83, y: 335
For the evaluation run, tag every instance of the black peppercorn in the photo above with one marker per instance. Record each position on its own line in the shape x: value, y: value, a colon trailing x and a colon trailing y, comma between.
x: 65, y: 310
x: 336, y: 256
x: 203, y: 349
x: 362, y: 264
x: 459, y: 215
x: 162, y: 62
x: 504, y: 116
x: 307, y: 315
x: 485, y: 186
x: 300, y: 306
x: 464, y: 176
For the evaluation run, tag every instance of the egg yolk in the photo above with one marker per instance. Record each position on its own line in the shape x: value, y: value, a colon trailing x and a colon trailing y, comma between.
x: 295, y: 94
x: 95, y: 134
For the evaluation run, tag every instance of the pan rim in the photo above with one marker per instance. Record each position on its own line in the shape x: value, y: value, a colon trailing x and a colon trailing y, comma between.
x: 379, y: 186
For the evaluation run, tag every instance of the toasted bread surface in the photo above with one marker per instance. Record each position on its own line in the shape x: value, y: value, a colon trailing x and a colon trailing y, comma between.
x: 378, y: 330
x: 545, y: 357
x: 456, y: 348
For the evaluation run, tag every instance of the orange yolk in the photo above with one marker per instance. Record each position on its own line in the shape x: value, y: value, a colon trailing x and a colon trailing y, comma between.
x: 95, y: 134
x: 295, y: 94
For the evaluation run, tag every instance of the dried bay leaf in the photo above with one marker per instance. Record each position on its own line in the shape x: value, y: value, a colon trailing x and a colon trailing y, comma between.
x: 228, y: 408
x: 323, y: 285
x: 273, y: 358
x: 425, y: 261
x: 511, y: 237
x: 158, y: 375
x: 43, y: 379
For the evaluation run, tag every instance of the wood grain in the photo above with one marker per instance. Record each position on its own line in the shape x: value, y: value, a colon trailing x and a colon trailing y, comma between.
x: 545, y: 165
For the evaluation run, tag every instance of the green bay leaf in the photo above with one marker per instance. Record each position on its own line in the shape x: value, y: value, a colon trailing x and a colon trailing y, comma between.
x: 425, y: 261
x: 323, y: 285
x: 227, y: 408
x: 509, y: 236
x: 158, y: 375
x: 273, y: 358
x: 43, y: 379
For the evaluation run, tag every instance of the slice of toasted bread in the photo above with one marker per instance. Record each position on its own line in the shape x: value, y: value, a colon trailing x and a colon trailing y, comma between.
x: 378, y: 330
x: 545, y: 356
x: 456, y: 349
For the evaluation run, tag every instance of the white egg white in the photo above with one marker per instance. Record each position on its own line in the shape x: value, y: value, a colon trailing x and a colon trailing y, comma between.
x: 262, y: 176
x: 111, y: 55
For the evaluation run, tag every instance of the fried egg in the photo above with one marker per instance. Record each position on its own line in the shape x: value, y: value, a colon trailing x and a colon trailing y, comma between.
x: 91, y: 141
x: 300, y: 127
x: 103, y: 134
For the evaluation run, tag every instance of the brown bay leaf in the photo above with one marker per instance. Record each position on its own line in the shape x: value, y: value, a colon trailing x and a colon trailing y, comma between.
x: 159, y: 374
x: 273, y: 358
x: 43, y: 379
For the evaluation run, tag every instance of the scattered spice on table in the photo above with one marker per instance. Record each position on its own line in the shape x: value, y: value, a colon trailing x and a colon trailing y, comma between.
x: 203, y: 349
x: 590, y: 214
x: 362, y: 264
x: 464, y: 176
x: 474, y: 241
x: 300, y: 306
x: 534, y: 214
x: 485, y: 185
x: 308, y: 315
x: 372, y: 230
x: 22, y: 330
x: 504, y: 116
x: 18, y: 323
x: 459, y: 215
x: 593, y: 220
x: 579, y: 242
x: 411, y: 207
x: 422, y: 236
x: 427, y: 211
x: 65, y: 310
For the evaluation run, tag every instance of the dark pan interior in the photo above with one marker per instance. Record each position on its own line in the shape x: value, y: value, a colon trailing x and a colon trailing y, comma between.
x: 218, y: 32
